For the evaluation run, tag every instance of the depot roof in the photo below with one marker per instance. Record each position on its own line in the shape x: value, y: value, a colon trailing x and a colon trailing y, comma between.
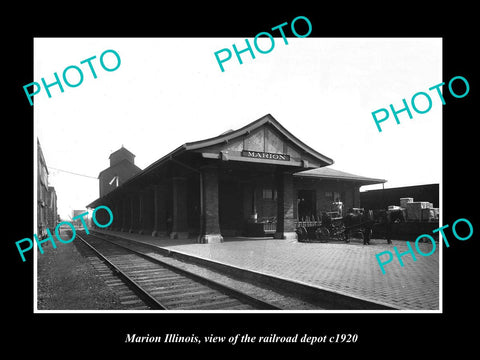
x: 329, y: 173
x: 230, y: 137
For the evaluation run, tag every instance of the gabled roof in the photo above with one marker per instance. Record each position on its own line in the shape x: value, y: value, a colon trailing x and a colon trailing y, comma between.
x: 247, y: 129
x: 329, y: 173
x: 122, y: 163
x: 230, y: 135
x: 122, y: 149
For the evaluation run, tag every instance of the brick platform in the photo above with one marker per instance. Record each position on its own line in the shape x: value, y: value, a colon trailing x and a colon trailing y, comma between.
x: 347, y: 268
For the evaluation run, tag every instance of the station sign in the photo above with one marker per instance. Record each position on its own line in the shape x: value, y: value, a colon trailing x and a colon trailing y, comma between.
x: 265, y: 155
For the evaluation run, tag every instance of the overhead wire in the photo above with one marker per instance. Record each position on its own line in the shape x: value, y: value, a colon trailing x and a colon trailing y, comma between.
x: 73, y: 173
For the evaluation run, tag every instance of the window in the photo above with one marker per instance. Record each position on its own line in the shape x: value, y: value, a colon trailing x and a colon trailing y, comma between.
x: 269, y: 194
x: 334, y: 196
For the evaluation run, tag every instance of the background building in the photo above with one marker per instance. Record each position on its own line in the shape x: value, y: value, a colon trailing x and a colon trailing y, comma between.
x: 380, y: 199
x: 47, y: 216
x: 78, y: 222
x: 52, y: 213
x: 122, y: 167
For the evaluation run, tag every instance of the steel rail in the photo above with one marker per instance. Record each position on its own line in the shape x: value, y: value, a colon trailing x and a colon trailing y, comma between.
x: 211, y: 283
x: 143, y: 294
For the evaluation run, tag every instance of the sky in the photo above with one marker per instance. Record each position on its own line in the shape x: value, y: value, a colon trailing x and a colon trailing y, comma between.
x: 169, y: 91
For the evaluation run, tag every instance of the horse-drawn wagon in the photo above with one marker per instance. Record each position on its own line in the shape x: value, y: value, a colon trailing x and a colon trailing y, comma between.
x: 333, y: 226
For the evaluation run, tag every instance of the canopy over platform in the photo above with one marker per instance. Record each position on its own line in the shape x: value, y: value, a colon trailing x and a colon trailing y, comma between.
x: 332, y: 174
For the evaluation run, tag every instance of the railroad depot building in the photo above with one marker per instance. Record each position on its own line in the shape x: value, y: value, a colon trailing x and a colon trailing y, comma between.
x: 257, y: 180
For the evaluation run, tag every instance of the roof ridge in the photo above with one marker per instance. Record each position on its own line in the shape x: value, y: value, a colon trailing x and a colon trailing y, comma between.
x: 247, y: 129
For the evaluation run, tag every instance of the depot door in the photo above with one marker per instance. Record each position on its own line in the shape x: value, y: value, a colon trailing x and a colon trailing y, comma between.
x: 230, y: 207
x: 307, y: 205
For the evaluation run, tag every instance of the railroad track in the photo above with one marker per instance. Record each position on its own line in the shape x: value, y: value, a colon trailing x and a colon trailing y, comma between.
x: 160, y: 285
